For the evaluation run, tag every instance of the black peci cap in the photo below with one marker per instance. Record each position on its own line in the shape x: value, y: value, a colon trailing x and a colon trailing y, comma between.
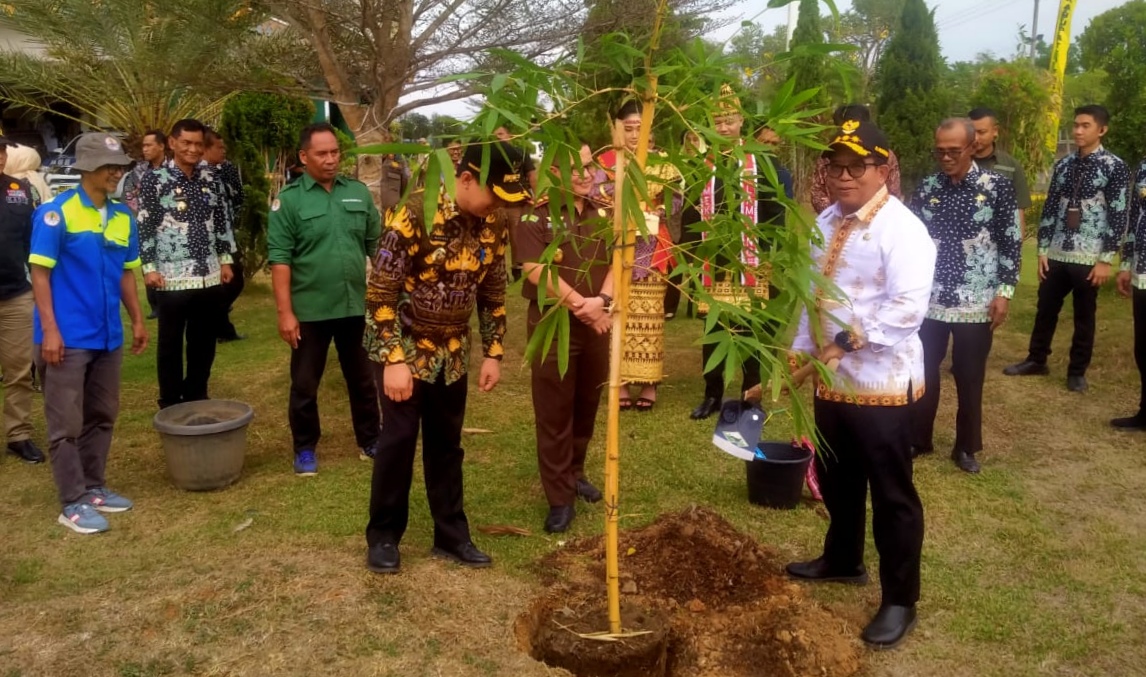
x: 861, y: 137
x: 506, y: 169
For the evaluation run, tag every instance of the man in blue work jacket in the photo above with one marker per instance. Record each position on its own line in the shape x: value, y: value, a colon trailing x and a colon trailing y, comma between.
x: 85, y: 247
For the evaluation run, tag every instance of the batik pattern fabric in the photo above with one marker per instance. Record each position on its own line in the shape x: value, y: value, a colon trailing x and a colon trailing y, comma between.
x: 978, y: 236
x: 1133, y: 257
x: 425, y: 284
x: 1102, y: 197
x: 132, y: 184
x: 184, y: 227
x: 882, y: 262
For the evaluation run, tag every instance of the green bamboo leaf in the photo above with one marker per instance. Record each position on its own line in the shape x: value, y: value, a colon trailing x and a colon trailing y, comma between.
x: 562, y: 340
x: 448, y: 177
x: 719, y: 353
x: 395, y: 148
x: 433, y: 188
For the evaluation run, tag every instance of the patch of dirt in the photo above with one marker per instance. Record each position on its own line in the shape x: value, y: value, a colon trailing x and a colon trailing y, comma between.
x: 570, y: 639
x: 732, y: 613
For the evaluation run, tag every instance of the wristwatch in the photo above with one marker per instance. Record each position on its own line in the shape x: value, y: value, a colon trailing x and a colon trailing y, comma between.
x: 608, y: 302
x: 849, y: 341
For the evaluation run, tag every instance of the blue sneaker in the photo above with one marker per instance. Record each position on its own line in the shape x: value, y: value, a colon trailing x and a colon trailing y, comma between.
x: 82, y: 518
x: 104, y: 500
x: 305, y: 463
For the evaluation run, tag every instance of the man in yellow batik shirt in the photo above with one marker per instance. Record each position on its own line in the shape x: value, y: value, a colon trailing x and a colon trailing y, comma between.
x: 421, y: 295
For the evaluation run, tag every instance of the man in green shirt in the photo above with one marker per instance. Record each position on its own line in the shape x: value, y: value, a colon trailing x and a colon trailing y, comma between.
x: 322, y: 229
x: 989, y: 157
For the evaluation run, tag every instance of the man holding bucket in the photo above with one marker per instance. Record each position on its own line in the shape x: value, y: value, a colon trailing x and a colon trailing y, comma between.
x: 85, y: 248
x: 881, y: 260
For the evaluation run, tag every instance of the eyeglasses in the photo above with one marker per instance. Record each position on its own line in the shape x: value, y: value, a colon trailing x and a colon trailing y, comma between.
x: 855, y: 170
x: 940, y: 153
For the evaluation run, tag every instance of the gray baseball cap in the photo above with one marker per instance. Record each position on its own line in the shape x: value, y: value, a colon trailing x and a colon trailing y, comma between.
x: 97, y: 149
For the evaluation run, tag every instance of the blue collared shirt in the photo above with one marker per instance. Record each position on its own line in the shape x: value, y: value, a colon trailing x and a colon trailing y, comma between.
x: 87, y: 257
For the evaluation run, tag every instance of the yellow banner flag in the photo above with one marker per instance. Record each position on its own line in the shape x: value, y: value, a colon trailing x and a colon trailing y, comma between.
x: 1059, y: 50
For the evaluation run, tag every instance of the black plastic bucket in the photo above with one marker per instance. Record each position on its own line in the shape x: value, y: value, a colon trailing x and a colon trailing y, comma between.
x: 777, y: 481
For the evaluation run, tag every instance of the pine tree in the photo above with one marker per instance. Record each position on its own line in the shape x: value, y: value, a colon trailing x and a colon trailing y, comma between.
x: 809, y: 70
x: 910, y: 102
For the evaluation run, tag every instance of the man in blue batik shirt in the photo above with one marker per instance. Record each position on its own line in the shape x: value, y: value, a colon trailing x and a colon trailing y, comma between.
x: 1132, y: 284
x: 1081, y: 229
x: 973, y: 217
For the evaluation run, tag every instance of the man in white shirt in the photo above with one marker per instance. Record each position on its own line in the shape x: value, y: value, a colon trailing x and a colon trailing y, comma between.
x: 881, y: 261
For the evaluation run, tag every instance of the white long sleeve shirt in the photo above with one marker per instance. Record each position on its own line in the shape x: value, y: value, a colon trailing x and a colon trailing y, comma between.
x: 883, y: 262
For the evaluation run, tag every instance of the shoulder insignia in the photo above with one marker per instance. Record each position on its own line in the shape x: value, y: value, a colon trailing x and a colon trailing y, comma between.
x: 52, y: 217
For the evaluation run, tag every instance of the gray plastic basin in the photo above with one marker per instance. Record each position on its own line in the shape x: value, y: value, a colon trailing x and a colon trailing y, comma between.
x: 204, y: 442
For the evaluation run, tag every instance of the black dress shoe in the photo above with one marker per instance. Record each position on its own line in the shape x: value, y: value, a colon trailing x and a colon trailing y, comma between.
x: 383, y: 558
x: 916, y: 452
x: 27, y: 451
x: 819, y: 571
x: 707, y: 408
x: 465, y: 554
x: 229, y: 339
x: 559, y: 519
x: 889, y: 627
x: 587, y: 492
x: 1027, y: 368
x: 1076, y: 384
x: 965, y: 462
x: 1135, y: 422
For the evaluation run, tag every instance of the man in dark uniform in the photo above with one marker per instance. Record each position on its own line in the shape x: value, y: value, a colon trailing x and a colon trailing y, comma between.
x: 215, y: 155
x: 16, y: 356
x: 322, y: 228
x: 430, y: 272
x: 565, y: 407
x: 510, y: 215
x: 990, y: 158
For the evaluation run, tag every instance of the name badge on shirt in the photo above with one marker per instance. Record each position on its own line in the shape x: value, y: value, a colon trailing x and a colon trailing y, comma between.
x: 16, y: 195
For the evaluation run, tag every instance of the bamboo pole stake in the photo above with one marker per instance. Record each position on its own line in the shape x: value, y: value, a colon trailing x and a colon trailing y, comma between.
x: 622, y: 265
x: 624, y: 235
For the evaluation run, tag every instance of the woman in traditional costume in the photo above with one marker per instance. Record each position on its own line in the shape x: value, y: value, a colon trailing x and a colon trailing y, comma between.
x: 642, y: 357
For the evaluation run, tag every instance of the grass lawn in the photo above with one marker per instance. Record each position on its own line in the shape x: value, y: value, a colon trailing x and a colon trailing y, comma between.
x: 1033, y: 568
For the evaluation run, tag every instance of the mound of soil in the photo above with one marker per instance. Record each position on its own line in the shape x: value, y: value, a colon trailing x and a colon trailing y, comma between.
x: 731, y: 611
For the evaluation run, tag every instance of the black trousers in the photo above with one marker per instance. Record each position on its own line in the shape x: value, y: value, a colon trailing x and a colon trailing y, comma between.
x: 1063, y: 279
x: 153, y: 300
x: 231, y: 292
x: 193, y: 314
x: 440, y: 409
x: 714, y: 378
x: 308, y: 362
x: 871, y: 445
x: 565, y: 408
x: 1139, y: 300
x: 970, y: 346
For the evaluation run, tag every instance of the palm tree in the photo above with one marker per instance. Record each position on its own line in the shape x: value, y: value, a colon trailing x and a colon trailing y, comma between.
x: 134, y: 65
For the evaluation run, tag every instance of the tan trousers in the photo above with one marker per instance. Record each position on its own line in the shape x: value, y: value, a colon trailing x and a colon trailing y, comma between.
x: 16, y: 364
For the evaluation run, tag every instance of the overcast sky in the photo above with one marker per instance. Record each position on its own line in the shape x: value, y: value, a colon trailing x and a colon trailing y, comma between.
x: 966, y: 27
